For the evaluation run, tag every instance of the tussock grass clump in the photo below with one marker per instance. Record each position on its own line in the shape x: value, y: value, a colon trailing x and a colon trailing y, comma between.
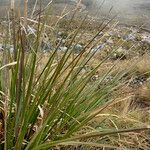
x: 143, y: 67
x: 47, y: 99
x: 142, y: 96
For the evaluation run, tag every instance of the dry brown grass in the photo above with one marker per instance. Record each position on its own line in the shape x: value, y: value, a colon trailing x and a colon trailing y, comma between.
x: 143, y: 67
x: 128, y: 96
x: 142, y: 96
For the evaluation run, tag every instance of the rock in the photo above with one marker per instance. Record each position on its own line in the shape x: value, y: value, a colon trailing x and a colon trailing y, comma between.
x: 138, y: 81
x: 98, y: 48
x: 120, y: 54
x: 86, y: 69
x: 63, y: 35
x: 94, y: 78
x: 11, y: 49
x: 58, y: 40
x: 78, y: 48
x: 46, y: 46
x: 110, y: 42
x: 129, y: 37
x: 1, y: 47
x: 145, y: 38
x: 107, y: 35
x: 60, y: 33
x: 148, y: 80
x: 111, y: 33
x: 63, y: 41
x: 7, y: 47
x: 63, y: 48
x: 101, y: 33
x: 134, y: 30
x: 138, y: 38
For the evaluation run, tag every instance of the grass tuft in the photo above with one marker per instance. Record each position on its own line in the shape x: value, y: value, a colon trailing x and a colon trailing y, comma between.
x: 62, y: 99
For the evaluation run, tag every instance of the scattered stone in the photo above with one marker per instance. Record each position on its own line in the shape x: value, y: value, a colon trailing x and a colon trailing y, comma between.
x: 63, y: 49
x: 138, y: 81
x: 78, y: 48
x: 129, y: 37
x: 63, y: 41
x: 11, y: 49
x: 98, y: 48
x: 85, y: 69
x: 46, y: 46
x: 111, y: 33
x: 134, y: 30
x: 1, y: 47
x: 101, y: 34
x: 120, y: 54
x: 110, y: 42
x: 7, y: 47
x: 148, y: 80
x: 63, y: 35
x: 60, y: 33
x: 94, y: 78
x: 138, y: 38
x: 145, y: 38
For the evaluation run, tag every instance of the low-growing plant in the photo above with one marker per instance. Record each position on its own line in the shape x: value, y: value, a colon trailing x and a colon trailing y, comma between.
x: 50, y: 104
